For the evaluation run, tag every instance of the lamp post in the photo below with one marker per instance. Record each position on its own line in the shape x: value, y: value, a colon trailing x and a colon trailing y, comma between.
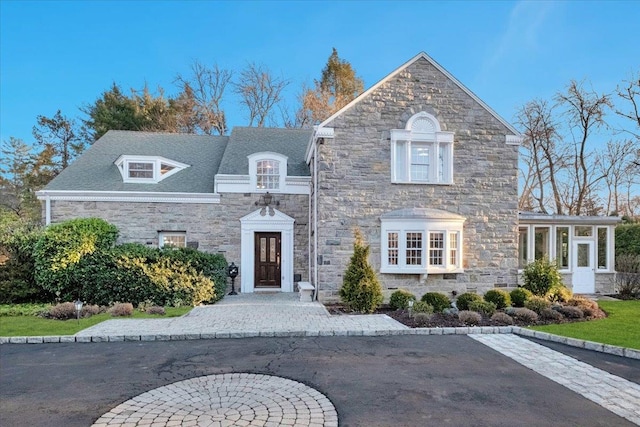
x: 232, y: 271
x: 78, y: 305
x: 410, y: 302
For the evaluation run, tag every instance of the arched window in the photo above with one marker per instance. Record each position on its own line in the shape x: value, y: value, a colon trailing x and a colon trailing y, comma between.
x: 421, y: 153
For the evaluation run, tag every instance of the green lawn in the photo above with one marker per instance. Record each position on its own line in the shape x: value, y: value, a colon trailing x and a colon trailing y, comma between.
x: 621, y: 327
x: 29, y: 325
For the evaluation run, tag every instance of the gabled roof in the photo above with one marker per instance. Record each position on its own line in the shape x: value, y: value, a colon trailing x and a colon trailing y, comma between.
x: 95, y: 170
x: 245, y: 141
x: 421, y: 55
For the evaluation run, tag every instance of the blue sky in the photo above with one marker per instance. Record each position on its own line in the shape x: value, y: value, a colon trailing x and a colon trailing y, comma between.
x: 63, y: 55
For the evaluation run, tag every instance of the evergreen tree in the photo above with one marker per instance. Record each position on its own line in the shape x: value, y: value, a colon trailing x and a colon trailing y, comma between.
x: 361, y: 289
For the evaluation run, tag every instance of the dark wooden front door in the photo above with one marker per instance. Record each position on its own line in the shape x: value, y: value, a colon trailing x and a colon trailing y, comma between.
x: 267, y: 260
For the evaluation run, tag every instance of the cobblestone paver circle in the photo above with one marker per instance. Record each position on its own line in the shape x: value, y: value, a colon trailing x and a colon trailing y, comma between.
x: 238, y: 399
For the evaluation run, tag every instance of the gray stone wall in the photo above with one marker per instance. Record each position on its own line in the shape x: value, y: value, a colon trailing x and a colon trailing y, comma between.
x: 216, y: 227
x: 355, y: 183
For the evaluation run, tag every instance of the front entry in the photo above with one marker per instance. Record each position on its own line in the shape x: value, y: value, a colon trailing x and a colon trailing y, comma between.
x: 267, y: 260
x: 583, y: 280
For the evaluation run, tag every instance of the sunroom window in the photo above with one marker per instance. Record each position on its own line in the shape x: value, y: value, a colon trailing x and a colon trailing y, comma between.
x: 421, y: 153
x: 421, y: 241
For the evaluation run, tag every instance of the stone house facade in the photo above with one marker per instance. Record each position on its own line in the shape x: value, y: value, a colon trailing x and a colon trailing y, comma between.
x: 425, y: 169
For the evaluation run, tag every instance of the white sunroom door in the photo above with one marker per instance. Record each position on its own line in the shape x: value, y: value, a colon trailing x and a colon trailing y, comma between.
x: 583, y: 269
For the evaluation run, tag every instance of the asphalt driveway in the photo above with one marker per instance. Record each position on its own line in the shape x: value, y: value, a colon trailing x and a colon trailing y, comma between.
x: 372, y: 381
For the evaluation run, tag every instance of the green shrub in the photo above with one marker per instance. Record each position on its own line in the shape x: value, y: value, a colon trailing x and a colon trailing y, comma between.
x: 519, y: 296
x: 121, y: 309
x: 537, y: 304
x: 361, y: 290
x: 437, y: 300
x: 17, y: 281
x: 399, y: 300
x: 559, y: 294
x: 213, y: 266
x: 61, y: 249
x: 9, y: 310
x: 483, y: 307
x: 500, y: 298
x: 502, y: 318
x: 526, y: 315
x: 422, y: 307
x: 540, y: 276
x: 627, y: 239
x: 469, y: 317
x: 138, y: 274
x: 463, y: 300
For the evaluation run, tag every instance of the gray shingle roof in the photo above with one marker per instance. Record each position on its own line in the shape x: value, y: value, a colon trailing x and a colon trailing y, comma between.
x: 245, y: 141
x: 95, y: 170
x: 207, y: 155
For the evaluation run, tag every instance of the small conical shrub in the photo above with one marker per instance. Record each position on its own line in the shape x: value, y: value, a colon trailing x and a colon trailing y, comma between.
x: 361, y: 289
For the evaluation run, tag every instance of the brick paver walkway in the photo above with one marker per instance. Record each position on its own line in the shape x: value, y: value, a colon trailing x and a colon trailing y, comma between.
x: 226, y: 400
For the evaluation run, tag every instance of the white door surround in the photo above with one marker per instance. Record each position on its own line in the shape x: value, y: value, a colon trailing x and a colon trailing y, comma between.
x: 583, y: 260
x: 264, y: 220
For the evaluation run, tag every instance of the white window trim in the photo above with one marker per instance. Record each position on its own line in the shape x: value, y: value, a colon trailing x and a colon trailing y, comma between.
x: 554, y: 247
x: 609, y: 245
x: 123, y: 166
x: 423, y: 128
x: 163, y: 234
x: 253, y: 171
x: 425, y: 227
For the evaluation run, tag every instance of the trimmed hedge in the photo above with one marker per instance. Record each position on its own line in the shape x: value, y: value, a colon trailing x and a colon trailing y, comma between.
x: 627, y: 239
x: 463, y: 300
x: 399, y: 300
x: 437, y: 300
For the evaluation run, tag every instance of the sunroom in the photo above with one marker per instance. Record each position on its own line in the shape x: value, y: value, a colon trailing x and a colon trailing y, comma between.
x: 583, y: 248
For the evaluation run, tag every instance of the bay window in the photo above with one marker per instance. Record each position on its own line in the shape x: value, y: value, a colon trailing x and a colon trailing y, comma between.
x: 421, y: 241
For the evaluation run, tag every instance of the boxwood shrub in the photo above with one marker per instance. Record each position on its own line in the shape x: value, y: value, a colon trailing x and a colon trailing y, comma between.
x: 437, y: 300
x: 500, y: 298
x: 399, y: 300
x: 463, y: 300
x: 519, y: 296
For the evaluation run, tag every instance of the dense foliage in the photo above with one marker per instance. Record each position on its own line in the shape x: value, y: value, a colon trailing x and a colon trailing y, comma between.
x: 519, y: 296
x: 61, y: 249
x: 628, y: 239
x: 540, y: 276
x: 361, y: 289
x: 463, y: 300
x: 499, y: 297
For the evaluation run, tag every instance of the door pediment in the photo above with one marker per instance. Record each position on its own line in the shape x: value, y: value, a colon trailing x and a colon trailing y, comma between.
x: 266, y: 215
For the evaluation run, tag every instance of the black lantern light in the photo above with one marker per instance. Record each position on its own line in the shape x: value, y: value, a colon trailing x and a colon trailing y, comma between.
x: 232, y: 271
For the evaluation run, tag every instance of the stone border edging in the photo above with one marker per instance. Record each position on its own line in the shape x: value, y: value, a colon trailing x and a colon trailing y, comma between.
x: 573, y: 342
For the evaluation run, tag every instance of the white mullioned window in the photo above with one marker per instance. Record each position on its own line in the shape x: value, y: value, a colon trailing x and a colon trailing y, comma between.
x: 420, y: 241
x: 268, y: 175
x: 422, y: 153
x: 147, y: 169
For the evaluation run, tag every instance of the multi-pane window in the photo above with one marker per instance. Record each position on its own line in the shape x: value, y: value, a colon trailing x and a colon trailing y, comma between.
x: 414, y: 249
x: 268, y: 174
x: 173, y: 239
x: 392, y: 243
x: 436, y: 248
x: 141, y: 169
x: 453, y: 249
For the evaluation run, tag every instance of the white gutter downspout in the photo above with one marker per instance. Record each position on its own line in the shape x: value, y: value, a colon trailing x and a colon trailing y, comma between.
x: 47, y: 210
x: 315, y: 218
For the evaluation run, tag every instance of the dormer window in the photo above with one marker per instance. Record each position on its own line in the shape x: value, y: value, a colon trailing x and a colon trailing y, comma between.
x: 268, y: 175
x: 267, y: 171
x: 421, y: 153
x: 147, y: 169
